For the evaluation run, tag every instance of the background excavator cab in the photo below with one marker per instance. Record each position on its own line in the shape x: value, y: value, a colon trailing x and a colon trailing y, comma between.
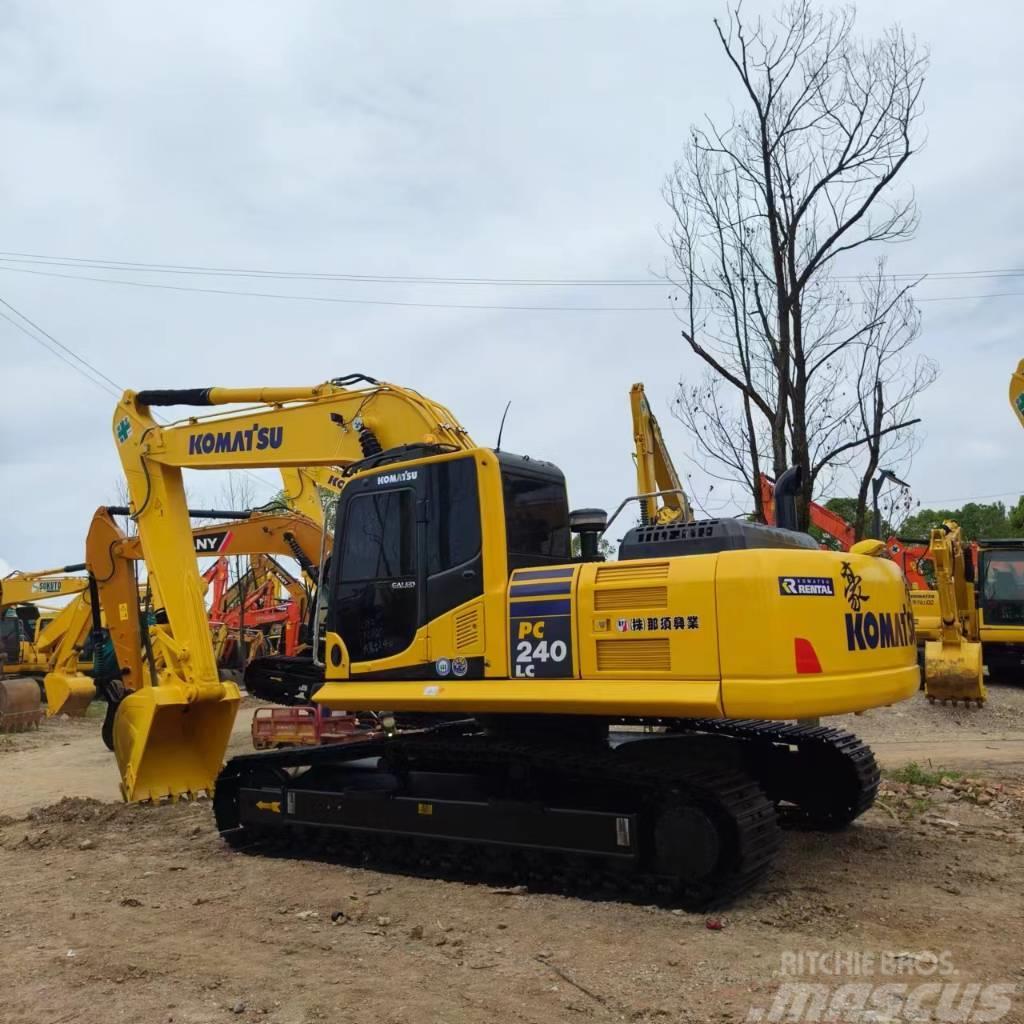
x: 1001, y: 583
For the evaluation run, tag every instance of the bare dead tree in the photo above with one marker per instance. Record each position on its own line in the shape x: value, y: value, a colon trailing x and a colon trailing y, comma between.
x: 889, y: 378
x: 761, y: 210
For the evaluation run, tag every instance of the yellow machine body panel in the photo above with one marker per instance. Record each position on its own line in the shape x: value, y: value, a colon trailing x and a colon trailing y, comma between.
x: 746, y: 634
x: 989, y: 634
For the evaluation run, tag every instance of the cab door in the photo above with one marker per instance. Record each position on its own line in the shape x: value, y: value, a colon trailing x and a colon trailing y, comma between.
x: 376, y: 606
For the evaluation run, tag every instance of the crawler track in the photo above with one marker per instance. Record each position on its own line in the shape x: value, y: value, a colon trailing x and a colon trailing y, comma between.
x: 820, y: 777
x: 283, y: 679
x: 456, y: 802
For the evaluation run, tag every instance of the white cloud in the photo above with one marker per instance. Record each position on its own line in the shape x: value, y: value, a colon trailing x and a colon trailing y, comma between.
x: 520, y: 141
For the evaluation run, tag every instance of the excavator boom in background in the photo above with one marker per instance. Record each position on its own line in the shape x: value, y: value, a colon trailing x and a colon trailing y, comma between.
x: 452, y: 595
x: 20, y: 661
x: 110, y: 555
x: 661, y: 495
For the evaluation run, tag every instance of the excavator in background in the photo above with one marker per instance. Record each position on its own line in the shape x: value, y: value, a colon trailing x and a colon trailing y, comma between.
x: 452, y: 600
x: 111, y: 558
x: 974, y: 619
x: 659, y: 489
x: 267, y: 599
x: 908, y: 553
x: 20, y: 593
x: 953, y: 664
x: 63, y: 651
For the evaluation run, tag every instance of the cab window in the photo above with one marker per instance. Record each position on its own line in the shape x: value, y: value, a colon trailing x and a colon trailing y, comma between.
x: 380, y: 531
x: 536, y: 519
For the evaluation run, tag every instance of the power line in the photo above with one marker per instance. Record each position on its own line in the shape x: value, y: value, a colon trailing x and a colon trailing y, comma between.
x: 86, y: 369
x: 934, y: 502
x: 55, y: 351
x: 99, y: 263
x: 74, y: 355
x: 415, y: 305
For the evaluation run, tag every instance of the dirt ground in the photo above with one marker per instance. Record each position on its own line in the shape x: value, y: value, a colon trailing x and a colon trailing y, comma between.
x: 117, y: 913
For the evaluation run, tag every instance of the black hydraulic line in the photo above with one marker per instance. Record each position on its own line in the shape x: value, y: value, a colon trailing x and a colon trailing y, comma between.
x: 175, y: 396
x: 300, y: 556
x: 195, y: 513
x: 77, y: 567
x: 201, y: 396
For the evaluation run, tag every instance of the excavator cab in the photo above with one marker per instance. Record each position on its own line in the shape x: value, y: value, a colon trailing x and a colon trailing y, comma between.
x: 417, y: 541
x: 1000, y: 602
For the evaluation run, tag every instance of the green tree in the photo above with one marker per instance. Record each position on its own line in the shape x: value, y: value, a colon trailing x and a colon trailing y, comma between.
x: 976, y: 519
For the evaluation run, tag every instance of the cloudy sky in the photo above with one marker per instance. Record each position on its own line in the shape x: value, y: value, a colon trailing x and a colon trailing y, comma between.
x: 510, y: 140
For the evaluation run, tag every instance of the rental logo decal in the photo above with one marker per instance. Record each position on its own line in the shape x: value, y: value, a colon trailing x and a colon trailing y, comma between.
x: 124, y: 430
x: 217, y: 443
x: 868, y: 630
x: 806, y: 586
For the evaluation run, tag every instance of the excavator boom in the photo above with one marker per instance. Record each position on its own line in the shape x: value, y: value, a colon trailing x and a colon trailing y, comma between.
x: 334, y: 424
x: 656, y: 476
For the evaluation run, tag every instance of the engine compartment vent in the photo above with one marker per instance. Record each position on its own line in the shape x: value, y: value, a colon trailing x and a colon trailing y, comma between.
x: 634, y: 656
x: 612, y: 599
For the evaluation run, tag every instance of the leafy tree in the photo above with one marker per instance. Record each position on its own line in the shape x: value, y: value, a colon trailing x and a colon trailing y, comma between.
x: 977, y: 520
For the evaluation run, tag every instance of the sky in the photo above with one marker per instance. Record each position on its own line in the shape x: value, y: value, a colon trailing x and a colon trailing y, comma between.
x: 503, y: 140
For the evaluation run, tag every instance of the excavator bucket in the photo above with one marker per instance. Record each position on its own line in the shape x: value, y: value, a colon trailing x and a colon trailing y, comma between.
x: 68, y: 694
x: 167, y: 746
x: 21, y: 706
x: 954, y: 672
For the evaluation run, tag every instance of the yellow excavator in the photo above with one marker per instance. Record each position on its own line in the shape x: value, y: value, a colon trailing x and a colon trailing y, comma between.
x: 974, y: 618
x: 953, y: 669
x: 659, y: 490
x: 618, y: 724
x: 20, y: 661
x: 62, y: 647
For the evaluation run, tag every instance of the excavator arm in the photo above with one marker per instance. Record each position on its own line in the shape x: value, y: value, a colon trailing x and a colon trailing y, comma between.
x: 68, y: 692
x: 110, y: 554
x: 42, y: 585
x: 656, y: 476
x: 170, y: 734
x: 953, y: 663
